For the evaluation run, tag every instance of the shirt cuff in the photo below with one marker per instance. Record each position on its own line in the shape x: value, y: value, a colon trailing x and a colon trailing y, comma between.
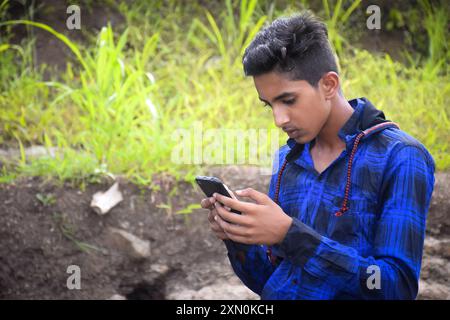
x: 299, y: 244
x: 235, y: 246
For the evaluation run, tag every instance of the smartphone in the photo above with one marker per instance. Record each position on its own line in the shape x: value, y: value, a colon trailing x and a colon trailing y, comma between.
x: 211, y: 185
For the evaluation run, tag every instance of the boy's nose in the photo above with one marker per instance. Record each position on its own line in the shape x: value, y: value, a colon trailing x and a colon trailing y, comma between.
x: 280, y: 117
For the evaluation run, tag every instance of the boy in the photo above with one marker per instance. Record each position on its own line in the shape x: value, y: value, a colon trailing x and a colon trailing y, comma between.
x: 346, y: 211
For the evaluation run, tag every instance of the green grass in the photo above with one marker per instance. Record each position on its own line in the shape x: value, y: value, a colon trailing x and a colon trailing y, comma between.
x: 69, y: 231
x: 415, y: 98
x: 116, y: 109
x: 337, y: 19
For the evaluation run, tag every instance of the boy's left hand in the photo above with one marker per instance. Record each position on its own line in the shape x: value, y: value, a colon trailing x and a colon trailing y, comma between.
x: 263, y: 222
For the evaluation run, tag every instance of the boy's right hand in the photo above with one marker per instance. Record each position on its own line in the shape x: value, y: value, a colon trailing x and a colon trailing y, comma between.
x: 208, y: 203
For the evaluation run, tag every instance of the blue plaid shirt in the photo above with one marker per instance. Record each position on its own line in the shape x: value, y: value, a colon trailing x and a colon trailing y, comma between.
x: 325, y: 256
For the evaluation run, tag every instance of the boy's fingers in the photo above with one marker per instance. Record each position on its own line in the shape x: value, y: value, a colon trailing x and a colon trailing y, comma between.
x: 230, y: 216
x: 207, y: 203
x: 259, y: 197
x: 221, y: 235
x: 229, y: 228
x: 216, y: 228
x: 212, y: 221
x: 239, y: 239
x: 233, y: 203
x: 210, y: 217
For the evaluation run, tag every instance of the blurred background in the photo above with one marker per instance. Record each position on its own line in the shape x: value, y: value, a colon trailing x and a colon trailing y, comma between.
x: 83, y: 106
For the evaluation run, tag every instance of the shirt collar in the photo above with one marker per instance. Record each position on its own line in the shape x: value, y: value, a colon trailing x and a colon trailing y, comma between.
x: 352, y: 127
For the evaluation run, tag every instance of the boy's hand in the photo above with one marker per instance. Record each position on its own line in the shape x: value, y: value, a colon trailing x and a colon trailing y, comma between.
x: 208, y: 203
x: 263, y: 222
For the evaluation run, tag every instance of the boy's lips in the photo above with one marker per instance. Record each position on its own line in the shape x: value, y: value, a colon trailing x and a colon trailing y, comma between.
x: 293, y: 133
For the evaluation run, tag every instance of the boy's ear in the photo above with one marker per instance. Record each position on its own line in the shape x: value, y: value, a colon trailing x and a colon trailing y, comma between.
x: 330, y: 84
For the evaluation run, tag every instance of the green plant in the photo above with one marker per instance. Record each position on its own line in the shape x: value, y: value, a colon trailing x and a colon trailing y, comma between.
x: 116, y: 108
x: 3, y: 9
x: 336, y: 21
x: 167, y: 207
x: 189, y: 209
x: 230, y: 37
x: 423, y: 111
x: 46, y: 199
x: 436, y: 25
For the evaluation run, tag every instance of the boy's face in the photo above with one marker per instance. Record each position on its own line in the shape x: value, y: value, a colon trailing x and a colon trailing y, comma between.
x: 298, y: 108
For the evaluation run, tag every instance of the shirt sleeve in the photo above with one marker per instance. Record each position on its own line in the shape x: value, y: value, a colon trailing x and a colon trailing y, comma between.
x: 250, y: 263
x: 399, y: 236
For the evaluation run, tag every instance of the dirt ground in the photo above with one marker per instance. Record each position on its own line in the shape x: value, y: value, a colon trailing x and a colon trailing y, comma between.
x: 39, y: 239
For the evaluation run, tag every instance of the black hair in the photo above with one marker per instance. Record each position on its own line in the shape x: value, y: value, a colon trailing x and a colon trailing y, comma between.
x: 296, y: 45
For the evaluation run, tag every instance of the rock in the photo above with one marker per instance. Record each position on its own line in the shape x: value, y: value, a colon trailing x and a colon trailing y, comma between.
x: 130, y: 243
x: 444, y: 248
x: 102, y: 202
x: 435, y: 268
x: 438, y: 247
x: 124, y: 224
x: 438, y: 223
x: 433, y: 291
x: 431, y: 245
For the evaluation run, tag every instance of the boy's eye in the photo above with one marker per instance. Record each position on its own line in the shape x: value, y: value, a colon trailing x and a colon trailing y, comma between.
x: 289, y: 102
x: 286, y: 102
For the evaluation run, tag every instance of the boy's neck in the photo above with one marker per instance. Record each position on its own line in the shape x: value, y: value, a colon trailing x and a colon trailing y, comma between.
x: 328, y: 138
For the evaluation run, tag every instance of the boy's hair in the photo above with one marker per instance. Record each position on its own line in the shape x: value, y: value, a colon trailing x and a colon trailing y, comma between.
x: 296, y: 45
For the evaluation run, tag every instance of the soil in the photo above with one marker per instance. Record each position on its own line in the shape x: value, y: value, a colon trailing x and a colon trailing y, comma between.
x: 39, y: 239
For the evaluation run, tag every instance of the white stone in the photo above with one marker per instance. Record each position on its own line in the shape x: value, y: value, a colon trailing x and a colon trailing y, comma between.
x: 102, y: 202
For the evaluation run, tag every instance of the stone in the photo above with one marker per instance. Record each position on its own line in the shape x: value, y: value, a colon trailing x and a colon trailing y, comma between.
x: 103, y: 202
x: 133, y: 245
x: 433, y: 291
